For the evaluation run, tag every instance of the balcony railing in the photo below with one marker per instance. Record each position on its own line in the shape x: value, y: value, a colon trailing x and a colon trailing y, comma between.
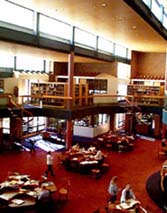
x: 80, y: 101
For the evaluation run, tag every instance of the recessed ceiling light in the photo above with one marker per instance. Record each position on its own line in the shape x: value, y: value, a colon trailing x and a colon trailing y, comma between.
x: 134, y: 27
x: 104, y: 4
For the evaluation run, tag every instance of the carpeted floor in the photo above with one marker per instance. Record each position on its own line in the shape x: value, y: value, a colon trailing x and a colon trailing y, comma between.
x: 86, y: 193
x: 154, y: 190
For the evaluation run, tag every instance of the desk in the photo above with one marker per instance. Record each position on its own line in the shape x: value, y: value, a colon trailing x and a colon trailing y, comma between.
x: 22, y: 200
x: 16, y: 193
x: 81, y: 161
x: 128, y: 207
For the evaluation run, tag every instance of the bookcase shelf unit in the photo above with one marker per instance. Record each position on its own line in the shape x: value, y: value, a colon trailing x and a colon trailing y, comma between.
x: 55, y: 94
x: 95, y: 85
x: 81, y: 96
x: 146, y: 92
x: 48, y: 92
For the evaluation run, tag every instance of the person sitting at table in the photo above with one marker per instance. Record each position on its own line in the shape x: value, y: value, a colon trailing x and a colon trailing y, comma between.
x: 128, y: 197
x: 75, y: 147
x: 99, y: 156
x: 127, y: 193
x: 44, y: 194
x: 92, y: 149
x: 123, y: 144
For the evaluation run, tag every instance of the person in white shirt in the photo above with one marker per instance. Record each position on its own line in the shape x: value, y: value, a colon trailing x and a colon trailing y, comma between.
x: 98, y: 155
x: 127, y: 193
x: 49, y: 163
x: 92, y: 149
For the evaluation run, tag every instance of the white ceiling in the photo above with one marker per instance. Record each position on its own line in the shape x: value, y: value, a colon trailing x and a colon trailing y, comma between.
x: 115, y: 21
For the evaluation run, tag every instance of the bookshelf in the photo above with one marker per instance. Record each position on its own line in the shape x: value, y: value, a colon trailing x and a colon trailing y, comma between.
x: 81, y: 95
x: 95, y: 86
x: 46, y: 90
x: 146, y: 91
x: 53, y: 93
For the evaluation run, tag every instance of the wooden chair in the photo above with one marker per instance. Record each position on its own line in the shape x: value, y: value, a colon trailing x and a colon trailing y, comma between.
x: 108, y: 146
x: 63, y: 192
x: 104, y: 167
x: 13, y: 173
x: 95, y: 173
x: 162, y: 154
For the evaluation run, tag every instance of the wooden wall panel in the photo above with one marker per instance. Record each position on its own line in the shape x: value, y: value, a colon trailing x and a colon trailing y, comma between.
x: 148, y: 64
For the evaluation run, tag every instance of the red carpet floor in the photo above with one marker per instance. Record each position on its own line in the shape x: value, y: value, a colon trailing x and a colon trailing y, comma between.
x: 87, y: 194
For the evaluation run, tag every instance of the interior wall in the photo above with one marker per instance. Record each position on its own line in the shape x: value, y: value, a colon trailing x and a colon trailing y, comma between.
x: 110, y: 68
x: 148, y: 64
x: 134, y: 64
x: 18, y: 49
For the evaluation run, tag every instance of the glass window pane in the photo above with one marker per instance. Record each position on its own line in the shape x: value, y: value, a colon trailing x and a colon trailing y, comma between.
x: 165, y: 19
x: 157, y: 9
x: 119, y: 120
x: 129, y: 53
x: 17, y: 15
x: 105, y: 45
x: 6, y: 60
x: 122, y: 89
x: 85, y: 38
x: 6, y: 125
x: 120, y: 51
x: 29, y: 63
x: 123, y: 71
x: 55, y: 28
x: 147, y: 2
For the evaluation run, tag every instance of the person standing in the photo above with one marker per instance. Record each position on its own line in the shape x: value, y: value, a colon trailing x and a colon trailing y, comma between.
x: 49, y: 163
x: 113, y: 189
x: 32, y: 145
x: 165, y: 191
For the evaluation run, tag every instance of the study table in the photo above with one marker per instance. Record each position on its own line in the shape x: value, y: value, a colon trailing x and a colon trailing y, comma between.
x: 82, y: 161
x: 115, y: 141
x: 19, y: 191
x: 131, y: 206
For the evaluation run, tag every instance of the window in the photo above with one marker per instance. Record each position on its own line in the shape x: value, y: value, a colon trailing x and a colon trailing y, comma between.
x: 84, y: 38
x: 29, y: 63
x: 157, y: 9
x: 24, y: 19
x: 120, y: 51
x: 105, y: 45
x: 17, y: 15
x: 33, y: 124
x: 165, y: 19
x: 49, y: 66
x: 123, y: 71
x: 55, y: 28
x: 147, y: 2
x: 6, y: 125
x: 6, y: 60
x: 129, y: 52
x: 119, y: 120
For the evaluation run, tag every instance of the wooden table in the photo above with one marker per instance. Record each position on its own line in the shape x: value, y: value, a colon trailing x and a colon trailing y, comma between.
x: 127, y: 207
x: 16, y: 193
